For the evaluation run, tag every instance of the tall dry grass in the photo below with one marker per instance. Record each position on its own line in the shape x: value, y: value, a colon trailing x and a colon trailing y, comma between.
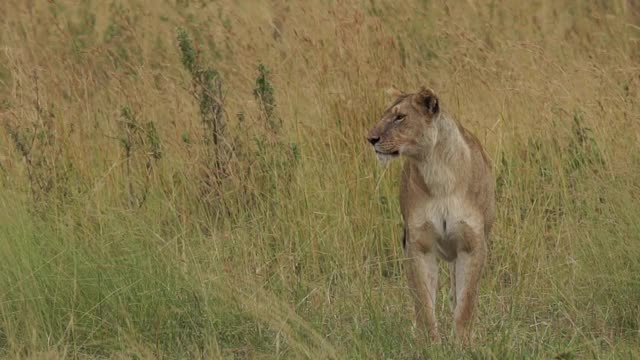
x: 190, y: 178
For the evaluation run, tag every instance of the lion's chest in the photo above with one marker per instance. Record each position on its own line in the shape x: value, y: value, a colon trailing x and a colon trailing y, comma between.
x: 446, y: 218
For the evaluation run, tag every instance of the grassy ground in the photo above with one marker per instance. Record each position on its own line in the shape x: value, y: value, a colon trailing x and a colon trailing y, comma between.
x: 190, y: 178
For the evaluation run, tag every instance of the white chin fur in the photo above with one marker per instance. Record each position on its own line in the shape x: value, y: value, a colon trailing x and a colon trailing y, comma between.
x: 384, y: 158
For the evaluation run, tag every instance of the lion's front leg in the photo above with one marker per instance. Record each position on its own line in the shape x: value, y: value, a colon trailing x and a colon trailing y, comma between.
x: 468, y: 271
x: 422, y: 273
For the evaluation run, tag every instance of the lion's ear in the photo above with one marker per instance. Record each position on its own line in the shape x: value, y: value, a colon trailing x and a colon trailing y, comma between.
x: 394, y: 92
x: 428, y: 100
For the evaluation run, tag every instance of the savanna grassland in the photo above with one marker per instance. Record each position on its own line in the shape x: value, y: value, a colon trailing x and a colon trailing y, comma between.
x: 186, y: 179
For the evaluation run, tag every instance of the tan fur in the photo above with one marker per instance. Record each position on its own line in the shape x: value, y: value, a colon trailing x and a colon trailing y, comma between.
x: 447, y: 203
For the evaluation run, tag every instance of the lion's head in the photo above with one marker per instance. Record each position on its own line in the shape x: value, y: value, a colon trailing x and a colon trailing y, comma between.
x: 407, y: 126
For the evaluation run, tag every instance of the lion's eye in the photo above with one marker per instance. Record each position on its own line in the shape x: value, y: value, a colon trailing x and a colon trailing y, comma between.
x: 399, y: 117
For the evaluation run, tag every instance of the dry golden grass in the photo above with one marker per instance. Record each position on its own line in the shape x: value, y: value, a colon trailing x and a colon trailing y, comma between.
x: 124, y: 232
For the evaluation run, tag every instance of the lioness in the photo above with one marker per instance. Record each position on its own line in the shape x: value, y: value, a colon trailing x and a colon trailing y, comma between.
x: 447, y: 203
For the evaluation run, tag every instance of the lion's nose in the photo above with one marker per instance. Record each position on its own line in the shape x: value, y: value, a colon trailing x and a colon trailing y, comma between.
x: 373, y: 139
